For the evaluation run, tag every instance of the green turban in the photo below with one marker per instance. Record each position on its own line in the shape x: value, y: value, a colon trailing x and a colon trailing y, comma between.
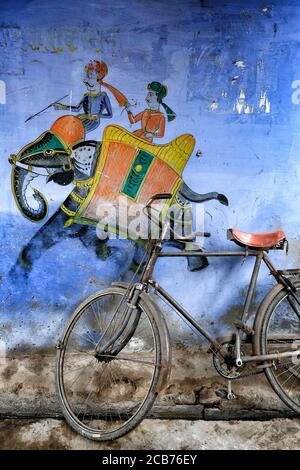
x: 161, y: 92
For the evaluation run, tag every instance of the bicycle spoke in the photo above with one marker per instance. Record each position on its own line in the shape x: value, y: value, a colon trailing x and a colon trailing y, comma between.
x: 282, y: 334
x: 290, y: 389
x: 77, y: 368
x: 81, y: 336
x: 76, y: 378
x: 106, y: 392
x: 81, y: 351
x: 97, y: 319
x: 138, y: 361
x: 86, y: 400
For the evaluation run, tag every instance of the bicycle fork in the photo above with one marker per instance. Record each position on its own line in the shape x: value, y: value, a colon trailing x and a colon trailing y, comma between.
x: 128, y: 325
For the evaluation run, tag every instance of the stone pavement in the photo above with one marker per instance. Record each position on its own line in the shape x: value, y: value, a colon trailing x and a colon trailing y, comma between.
x: 158, y: 435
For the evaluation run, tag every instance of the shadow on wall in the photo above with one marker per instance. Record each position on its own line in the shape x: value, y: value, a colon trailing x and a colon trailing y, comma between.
x: 34, y: 309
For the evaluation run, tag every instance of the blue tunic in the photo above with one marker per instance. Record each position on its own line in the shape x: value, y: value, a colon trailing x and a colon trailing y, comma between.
x: 95, y: 106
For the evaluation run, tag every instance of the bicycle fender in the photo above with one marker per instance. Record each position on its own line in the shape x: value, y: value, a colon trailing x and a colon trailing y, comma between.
x: 123, y: 285
x: 166, y: 352
x: 260, y: 316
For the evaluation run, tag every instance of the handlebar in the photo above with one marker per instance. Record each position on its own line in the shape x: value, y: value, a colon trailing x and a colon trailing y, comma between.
x: 156, y: 197
x: 192, y: 236
x: 165, y: 196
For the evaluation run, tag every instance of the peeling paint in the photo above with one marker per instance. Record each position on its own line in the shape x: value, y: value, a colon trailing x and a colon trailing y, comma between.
x: 240, y: 64
x: 241, y: 106
x: 2, y: 92
x: 224, y: 94
x: 214, y: 105
x: 264, y: 105
x: 267, y: 10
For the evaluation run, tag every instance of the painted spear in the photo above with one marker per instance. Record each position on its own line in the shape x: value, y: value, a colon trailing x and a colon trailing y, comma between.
x: 47, y: 107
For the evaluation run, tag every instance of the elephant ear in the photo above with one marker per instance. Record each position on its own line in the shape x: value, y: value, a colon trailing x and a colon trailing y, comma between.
x: 47, y: 150
x: 63, y: 178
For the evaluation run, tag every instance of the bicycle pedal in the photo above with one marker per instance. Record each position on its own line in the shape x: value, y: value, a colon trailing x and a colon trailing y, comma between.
x: 230, y: 395
x: 245, y: 328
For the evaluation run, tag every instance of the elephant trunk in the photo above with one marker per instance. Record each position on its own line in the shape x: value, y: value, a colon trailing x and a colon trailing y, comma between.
x: 30, y: 202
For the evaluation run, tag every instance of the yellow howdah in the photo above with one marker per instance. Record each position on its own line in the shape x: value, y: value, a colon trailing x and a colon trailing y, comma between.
x: 132, y: 168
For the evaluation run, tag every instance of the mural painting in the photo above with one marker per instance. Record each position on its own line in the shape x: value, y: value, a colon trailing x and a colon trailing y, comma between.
x: 100, y: 170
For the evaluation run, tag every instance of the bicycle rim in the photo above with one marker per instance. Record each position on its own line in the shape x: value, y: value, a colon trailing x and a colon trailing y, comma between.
x: 281, y: 332
x: 105, y: 398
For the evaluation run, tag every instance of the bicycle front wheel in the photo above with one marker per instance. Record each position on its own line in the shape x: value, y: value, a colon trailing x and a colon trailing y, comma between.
x: 105, y: 395
x: 279, y: 333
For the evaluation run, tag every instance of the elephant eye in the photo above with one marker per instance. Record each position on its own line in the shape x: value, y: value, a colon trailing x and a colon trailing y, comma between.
x: 48, y: 152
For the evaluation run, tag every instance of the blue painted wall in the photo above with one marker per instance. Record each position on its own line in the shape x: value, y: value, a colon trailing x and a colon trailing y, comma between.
x: 231, y: 69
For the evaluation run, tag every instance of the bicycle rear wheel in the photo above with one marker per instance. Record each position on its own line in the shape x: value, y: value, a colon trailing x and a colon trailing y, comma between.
x: 104, y: 396
x: 280, y: 332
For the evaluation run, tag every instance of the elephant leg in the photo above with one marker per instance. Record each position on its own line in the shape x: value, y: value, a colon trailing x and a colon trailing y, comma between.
x: 52, y: 232
x: 89, y: 238
x: 139, y: 257
x: 195, y: 263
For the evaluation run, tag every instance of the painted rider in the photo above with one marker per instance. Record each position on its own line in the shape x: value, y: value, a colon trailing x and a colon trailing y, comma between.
x: 95, y: 103
x: 152, y: 119
x: 153, y: 124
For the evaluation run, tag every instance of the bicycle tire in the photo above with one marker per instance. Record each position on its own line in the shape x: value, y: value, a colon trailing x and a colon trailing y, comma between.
x: 276, y: 303
x: 147, y: 403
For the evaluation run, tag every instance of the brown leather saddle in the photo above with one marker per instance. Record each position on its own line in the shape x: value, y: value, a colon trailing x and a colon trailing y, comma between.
x: 262, y: 241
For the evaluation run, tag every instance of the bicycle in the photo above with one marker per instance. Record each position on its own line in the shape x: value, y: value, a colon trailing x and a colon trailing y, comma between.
x: 114, y: 356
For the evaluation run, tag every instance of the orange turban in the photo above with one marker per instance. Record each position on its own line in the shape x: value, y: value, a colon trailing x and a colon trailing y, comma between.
x: 101, y: 69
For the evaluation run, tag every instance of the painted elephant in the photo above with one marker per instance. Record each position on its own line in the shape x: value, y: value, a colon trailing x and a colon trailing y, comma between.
x: 63, y: 164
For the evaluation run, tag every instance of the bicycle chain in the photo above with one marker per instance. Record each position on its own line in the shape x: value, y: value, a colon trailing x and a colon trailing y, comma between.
x: 250, y: 374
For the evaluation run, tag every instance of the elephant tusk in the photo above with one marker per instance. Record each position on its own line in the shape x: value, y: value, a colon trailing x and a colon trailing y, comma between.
x: 28, y: 168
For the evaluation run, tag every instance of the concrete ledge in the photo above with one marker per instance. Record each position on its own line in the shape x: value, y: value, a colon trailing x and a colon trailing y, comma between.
x: 195, y: 391
x: 215, y: 414
x: 187, y: 412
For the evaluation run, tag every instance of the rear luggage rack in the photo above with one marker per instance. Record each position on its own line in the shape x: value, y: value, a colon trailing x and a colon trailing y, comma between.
x: 289, y: 272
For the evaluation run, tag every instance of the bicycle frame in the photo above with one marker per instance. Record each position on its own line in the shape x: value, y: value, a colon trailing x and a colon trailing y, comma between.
x: 259, y: 255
